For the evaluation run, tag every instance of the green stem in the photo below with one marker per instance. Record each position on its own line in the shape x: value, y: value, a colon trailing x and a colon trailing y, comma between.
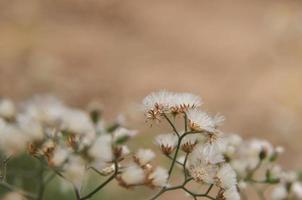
x: 103, y: 184
x: 171, y: 124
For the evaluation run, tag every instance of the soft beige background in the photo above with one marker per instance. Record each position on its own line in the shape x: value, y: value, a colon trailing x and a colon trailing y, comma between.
x: 243, y: 57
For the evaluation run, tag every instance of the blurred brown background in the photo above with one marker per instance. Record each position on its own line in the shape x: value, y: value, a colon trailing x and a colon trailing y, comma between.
x: 243, y: 57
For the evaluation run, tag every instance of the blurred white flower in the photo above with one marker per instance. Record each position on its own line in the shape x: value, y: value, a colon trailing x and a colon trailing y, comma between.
x: 13, y: 141
x: 296, y: 189
x: 121, y: 134
x: 7, y: 109
x: 231, y: 194
x: 159, y: 177
x: 226, y: 177
x: 279, y: 193
x: 30, y: 127
x: 132, y: 175
x: 144, y: 156
x: 60, y: 155
x: 74, y: 170
x: 101, y: 149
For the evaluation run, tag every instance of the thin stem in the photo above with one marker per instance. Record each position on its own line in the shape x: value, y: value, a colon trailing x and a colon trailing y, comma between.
x: 186, y: 122
x: 171, y: 124
x: 177, y: 162
x: 41, y: 184
x: 103, y: 184
x: 209, y: 189
x: 77, y: 193
x: 4, y: 169
x: 252, y: 172
x: 184, y: 166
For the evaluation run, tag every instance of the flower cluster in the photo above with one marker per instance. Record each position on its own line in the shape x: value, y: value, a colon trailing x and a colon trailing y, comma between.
x: 200, y: 141
x: 69, y: 141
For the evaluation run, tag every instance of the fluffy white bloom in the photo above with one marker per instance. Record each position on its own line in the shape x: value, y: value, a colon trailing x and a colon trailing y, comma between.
x: 226, y: 177
x: 78, y: 122
x: 257, y: 146
x: 124, y: 150
x: 203, y: 172
x: 279, y: 193
x: 60, y: 155
x: 218, y: 120
x: 167, y: 142
x: 169, y: 102
x: 102, y: 148
x: 211, y: 153
x: 46, y: 109
x: 7, y: 109
x: 132, y: 175
x: 200, y: 169
x: 297, y: 190
x: 189, y: 142
x: 159, y: 177
x: 13, y: 141
x: 30, y: 127
x: 162, y: 101
x: 121, y: 134
x: 74, y: 170
x: 144, y: 156
x: 200, y: 121
x: 231, y: 194
x: 181, y: 102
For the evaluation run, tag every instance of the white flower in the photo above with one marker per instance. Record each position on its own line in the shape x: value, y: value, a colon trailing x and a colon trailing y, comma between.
x: 74, y: 170
x: 7, y: 109
x: 189, y: 142
x: 144, y: 156
x: 211, y: 153
x: 30, y: 127
x: 46, y: 109
x: 200, y: 169
x: 157, y: 103
x: 226, y: 177
x: 159, y: 177
x: 121, y: 134
x: 297, y: 190
x: 218, y: 120
x: 132, y: 175
x: 60, y: 155
x: 78, y: 122
x: 231, y: 194
x: 279, y: 193
x: 13, y: 141
x: 202, y: 172
x: 102, y: 148
x: 260, y: 146
x: 181, y: 102
x: 200, y: 121
x: 167, y: 142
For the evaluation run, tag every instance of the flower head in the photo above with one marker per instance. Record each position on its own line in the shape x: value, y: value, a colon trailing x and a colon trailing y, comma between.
x: 158, y: 177
x: 167, y: 142
x: 132, y: 175
x: 200, y: 121
x: 226, y: 177
x: 144, y: 156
